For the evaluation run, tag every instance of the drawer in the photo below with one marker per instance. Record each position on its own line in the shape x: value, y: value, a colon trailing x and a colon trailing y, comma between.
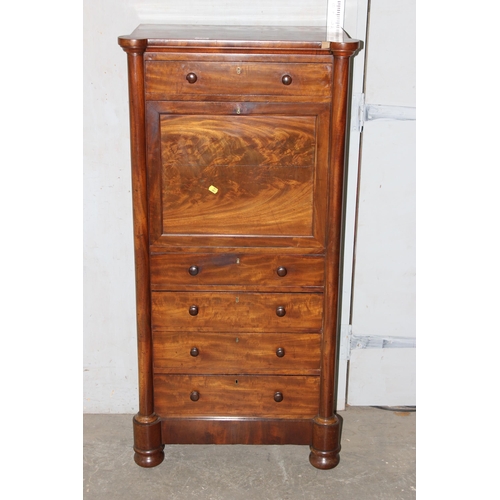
x: 227, y: 353
x: 236, y: 269
x: 236, y: 396
x: 196, y: 77
x: 236, y: 312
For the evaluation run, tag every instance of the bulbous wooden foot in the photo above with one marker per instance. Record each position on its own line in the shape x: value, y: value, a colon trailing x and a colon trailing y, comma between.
x: 325, y: 445
x: 323, y: 459
x: 148, y: 444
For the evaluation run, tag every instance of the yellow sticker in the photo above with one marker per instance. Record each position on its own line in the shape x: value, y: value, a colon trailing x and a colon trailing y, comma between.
x: 213, y: 189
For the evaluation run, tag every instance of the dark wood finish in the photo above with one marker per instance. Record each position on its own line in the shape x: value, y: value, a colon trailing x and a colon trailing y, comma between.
x: 227, y: 174
x: 195, y: 77
x: 237, y: 145
x: 148, y: 443
x: 237, y: 312
x: 236, y: 396
x: 170, y: 271
x: 325, y: 445
x: 218, y: 430
x: 229, y: 353
x: 206, y: 38
x: 238, y: 173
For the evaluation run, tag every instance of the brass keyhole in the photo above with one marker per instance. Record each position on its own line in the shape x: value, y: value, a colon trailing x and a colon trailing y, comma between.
x: 238, y: 71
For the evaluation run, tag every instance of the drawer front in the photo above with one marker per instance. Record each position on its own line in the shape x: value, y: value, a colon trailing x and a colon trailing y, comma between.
x: 236, y: 269
x: 236, y: 396
x: 237, y: 312
x: 226, y: 353
x: 195, y: 77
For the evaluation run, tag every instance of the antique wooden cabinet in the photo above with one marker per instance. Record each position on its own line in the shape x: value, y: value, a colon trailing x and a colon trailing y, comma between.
x: 237, y: 146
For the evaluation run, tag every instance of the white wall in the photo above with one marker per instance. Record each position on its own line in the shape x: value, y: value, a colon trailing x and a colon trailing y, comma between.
x: 109, y: 350
x: 382, y: 359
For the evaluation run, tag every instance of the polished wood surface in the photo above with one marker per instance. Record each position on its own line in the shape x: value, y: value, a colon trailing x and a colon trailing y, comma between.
x: 199, y: 270
x: 238, y: 77
x: 236, y: 430
x: 236, y: 396
x: 249, y: 175
x: 237, y: 312
x: 221, y: 173
x: 237, y: 143
x: 227, y: 353
x: 224, y: 38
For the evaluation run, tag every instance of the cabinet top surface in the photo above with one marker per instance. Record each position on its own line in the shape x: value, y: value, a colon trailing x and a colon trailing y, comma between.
x: 276, y: 37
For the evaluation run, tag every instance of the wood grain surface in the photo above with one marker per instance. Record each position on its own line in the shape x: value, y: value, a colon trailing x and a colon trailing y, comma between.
x: 236, y: 430
x: 169, y: 271
x: 238, y: 174
x: 226, y: 353
x: 239, y: 395
x: 238, y: 77
x: 238, y: 146
x: 237, y: 312
x: 257, y: 179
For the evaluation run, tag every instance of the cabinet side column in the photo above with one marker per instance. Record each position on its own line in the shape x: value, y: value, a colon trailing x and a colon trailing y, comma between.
x: 327, y: 424
x: 148, y: 444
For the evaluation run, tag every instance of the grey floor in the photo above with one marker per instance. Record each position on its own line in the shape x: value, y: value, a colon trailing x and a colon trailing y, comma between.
x: 377, y: 462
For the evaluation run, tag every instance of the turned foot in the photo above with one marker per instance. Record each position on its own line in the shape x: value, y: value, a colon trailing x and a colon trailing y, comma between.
x: 148, y: 444
x: 325, y: 445
x: 323, y: 459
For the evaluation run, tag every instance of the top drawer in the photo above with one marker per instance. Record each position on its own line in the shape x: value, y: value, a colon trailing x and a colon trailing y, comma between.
x: 195, y: 77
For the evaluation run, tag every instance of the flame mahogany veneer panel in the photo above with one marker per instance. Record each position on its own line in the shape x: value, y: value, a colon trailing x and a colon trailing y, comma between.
x: 250, y: 175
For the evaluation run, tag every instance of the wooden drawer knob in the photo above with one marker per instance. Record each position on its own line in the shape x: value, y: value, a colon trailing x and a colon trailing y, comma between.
x: 278, y: 397
x: 194, y: 270
x: 281, y: 271
x: 191, y: 77
x: 287, y: 80
x: 280, y: 352
x: 280, y: 311
x: 194, y: 352
x: 193, y: 310
x: 194, y: 396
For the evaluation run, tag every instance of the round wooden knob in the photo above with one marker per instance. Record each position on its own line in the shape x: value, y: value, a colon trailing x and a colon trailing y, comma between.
x: 287, y: 80
x: 194, y: 396
x: 278, y: 397
x: 280, y: 352
x: 194, y: 352
x: 191, y: 77
x: 280, y: 311
x: 193, y: 310
x: 194, y: 270
x: 281, y: 271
